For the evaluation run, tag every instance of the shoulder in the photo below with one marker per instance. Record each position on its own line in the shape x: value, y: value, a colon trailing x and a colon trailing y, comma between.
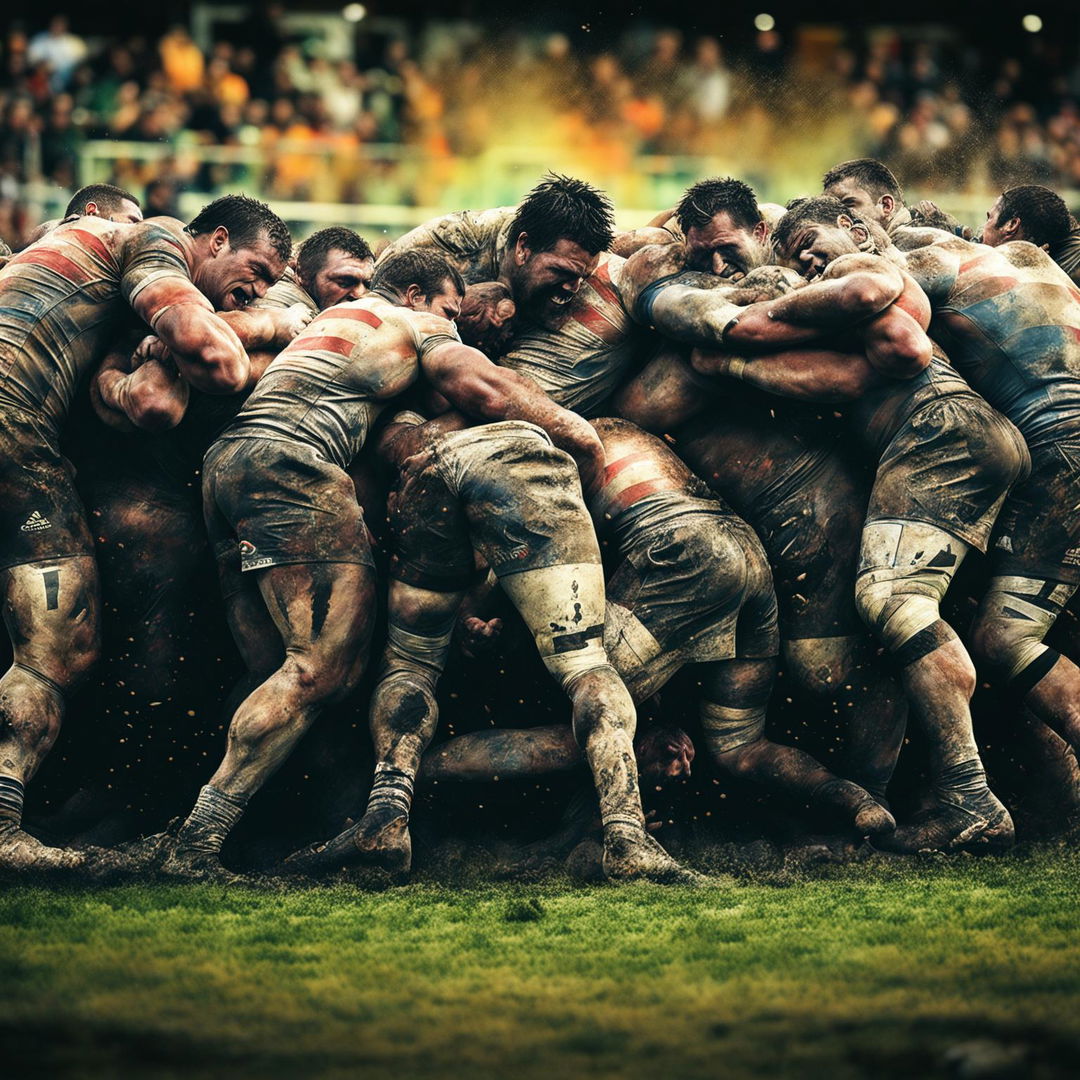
x: 285, y: 293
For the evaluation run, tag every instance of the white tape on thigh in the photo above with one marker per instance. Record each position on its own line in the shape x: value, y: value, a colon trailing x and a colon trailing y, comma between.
x: 727, y: 729
x: 563, y: 607
x: 905, y: 569
x: 1020, y: 636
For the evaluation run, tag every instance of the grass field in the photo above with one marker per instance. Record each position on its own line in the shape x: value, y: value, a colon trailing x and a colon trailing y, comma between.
x: 882, y: 970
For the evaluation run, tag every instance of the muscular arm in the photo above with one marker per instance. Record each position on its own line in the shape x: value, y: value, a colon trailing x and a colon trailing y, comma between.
x: 666, y: 393
x: 205, y: 348
x: 480, y: 389
x: 626, y: 243
x: 268, y: 329
x: 804, y: 374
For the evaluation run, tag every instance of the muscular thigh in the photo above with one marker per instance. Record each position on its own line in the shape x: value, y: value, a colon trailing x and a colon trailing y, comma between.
x: 51, y: 611
x: 949, y: 466
x: 1038, y: 534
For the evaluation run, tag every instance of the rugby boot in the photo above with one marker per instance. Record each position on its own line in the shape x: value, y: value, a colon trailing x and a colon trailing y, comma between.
x: 23, y: 854
x: 979, y: 824
x: 189, y: 862
x: 630, y: 857
x: 379, y: 839
x: 868, y: 816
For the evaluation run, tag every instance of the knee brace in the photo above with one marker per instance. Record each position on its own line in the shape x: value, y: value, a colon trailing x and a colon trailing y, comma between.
x: 905, y: 569
x: 417, y: 658
x: 1017, y: 614
x: 563, y: 607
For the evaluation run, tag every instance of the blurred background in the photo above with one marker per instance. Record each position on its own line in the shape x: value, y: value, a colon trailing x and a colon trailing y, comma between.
x: 379, y: 115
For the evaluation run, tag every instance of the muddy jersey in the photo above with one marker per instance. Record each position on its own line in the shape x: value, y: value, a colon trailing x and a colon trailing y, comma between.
x: 179, y: 452
x: 472, y: 241
x: 63, y: 298
x: 328, y: 386
x: 1015, y: 337
x: 581, y: 364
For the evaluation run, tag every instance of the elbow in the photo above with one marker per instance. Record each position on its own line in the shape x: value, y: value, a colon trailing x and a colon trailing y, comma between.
x: 903, y: 355
x: 221, y: 370
x: 867, y: 294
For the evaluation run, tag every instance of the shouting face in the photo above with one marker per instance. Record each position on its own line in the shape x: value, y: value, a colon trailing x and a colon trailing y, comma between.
x: 232, y: 277
x: 545, y: 282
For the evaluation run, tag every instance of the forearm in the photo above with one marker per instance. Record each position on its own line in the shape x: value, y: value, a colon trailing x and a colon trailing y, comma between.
x: 152, y: 398
x: 896, y: 345
x: 207, y: 352
x: 256, y: 328
x: 803, y: 374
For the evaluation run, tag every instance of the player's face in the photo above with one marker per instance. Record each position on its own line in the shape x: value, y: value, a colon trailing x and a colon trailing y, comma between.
x: 234, y: 277
x: 991, y: 234
x: 446, y: 303
x: 342, y: 277
x: 814, y: 246
x: 546, y: 281
x: 128, y: 214
x: 667, y: 761
x: 858, y: 200
x: 725, y: 248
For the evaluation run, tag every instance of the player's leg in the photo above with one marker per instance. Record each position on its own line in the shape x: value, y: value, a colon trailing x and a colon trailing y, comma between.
x: 51, y: 610
x: 905, y: 569
x: 324, y: 614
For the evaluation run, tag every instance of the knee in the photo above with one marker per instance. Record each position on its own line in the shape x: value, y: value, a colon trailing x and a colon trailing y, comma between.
x: 325, y: 676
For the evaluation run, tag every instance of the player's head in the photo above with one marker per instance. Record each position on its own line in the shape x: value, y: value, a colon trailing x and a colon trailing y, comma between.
x: 724, y: 230
x: 556, y: 238
x: 422, y: 280
x: 663, y: 754
x: 486, y: 321
x: 241, y: 249
x: 816, y: 231
x: 106, y: 201
x: 1029, y: 212
x: 335, y: 265
x: 867, y: 188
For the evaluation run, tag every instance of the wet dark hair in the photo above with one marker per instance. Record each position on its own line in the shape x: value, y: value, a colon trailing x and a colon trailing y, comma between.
x: 720, y: 194
x: 107, y: 196
x: 312, y: 253
x: 821, y: 210
x: 562, y: 208
x: 1042, y: 213
x: 870, y: 174
x: 245, y: 218
x: 418, y: 266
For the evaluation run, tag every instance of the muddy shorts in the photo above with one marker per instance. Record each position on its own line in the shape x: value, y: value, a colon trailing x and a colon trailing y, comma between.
x: 950, y: 465
x: 809, y: 525
x: 502, y: 489
x: 699, y: 589
x: 1038, y: 533
x: 274, y: 503
x: 41, y: 514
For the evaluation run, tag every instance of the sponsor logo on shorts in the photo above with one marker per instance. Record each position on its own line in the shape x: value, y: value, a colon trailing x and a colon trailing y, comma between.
x: 36, y: 522
x: 1004, y: 543
x: 518, y: 551
x: 1072, y: 557
x: 247, y: 549
x: 257, y: 564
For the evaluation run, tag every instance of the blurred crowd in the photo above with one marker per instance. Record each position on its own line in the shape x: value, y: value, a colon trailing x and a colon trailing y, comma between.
x: 395, y: 125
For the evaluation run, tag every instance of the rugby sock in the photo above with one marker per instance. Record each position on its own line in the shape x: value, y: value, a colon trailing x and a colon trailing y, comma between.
x: 623, y: 827
x: 391, y: 789
x: 966, y: 779
x: 212, y: 818
x: 11, y: 802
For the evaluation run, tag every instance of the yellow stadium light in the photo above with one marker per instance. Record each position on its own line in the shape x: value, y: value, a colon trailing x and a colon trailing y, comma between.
x: 764, y: 22
x: 354, y: 12
x: 1031, y: 23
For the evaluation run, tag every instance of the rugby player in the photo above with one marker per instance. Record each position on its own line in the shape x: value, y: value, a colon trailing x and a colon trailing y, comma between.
x: 284, y: 521
x: 95, y: 200
x: 870, y: 191
x: 946, y: 461
x: 61, y: 301
x: 504, y: 490
x: 1010, y: 318
x: 1036, y: 214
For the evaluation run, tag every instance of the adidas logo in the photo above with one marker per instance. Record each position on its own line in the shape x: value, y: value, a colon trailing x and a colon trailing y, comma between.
x: 36, y: 522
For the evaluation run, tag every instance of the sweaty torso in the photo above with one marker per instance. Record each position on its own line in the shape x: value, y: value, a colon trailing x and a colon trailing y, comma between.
x: 63, y: 299
x: 473, y: 241
x: 1009, y: 318
x: 596, y: 347
x: 328, y: 386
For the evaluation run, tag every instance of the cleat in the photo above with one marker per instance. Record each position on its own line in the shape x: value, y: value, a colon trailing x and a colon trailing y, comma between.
x: 379, y: 840
x: 868, y: 816
x: 21, y: 853
x: 981, y: 825
x: 643, y: 859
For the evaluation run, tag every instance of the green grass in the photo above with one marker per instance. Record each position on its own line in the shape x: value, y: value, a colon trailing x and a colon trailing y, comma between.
x: 870, y: 971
